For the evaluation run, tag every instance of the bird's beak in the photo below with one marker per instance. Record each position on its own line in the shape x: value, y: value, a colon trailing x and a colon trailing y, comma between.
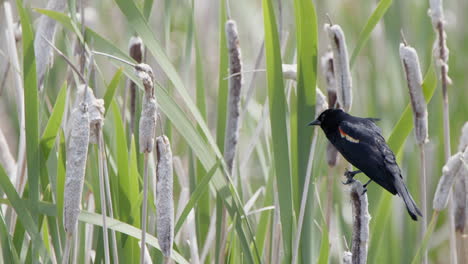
x: 314, y: 123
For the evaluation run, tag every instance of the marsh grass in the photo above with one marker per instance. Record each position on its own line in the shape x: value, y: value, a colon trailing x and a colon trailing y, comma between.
x: 283, y: 169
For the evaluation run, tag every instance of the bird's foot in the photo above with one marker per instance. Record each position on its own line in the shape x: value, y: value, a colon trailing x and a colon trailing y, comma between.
x: 365, y: 187
x: 350, y: 176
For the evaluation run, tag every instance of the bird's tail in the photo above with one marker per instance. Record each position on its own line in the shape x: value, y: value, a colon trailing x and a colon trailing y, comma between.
x: 403, y: 192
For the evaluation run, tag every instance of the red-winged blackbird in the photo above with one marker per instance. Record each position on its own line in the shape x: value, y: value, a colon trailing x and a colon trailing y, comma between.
x: 360, y: 142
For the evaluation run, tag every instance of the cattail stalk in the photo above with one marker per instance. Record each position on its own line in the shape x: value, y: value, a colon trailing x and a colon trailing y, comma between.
x: 321, y: 105
x: 164, y: 198
x: 136, y: 51
x: 341, y: 69
x: 410, y: 61
x: 76, y: 163
x: 46, y: 29
x: 441, y: 55
x: 361, y: 220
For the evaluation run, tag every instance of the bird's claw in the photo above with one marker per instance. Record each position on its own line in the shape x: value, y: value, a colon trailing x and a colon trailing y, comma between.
x: 349, y: 180
x: 364, y: 191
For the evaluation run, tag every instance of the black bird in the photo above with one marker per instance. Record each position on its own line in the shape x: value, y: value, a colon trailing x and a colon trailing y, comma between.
x: 360, y: 142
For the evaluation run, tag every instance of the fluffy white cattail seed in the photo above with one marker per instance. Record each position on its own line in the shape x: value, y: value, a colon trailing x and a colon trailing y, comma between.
x: 347, y: 257
x: 436, y: 12
x: 77, y: 151
x: 449, y: 172
x: 164, y: 199
x: 321, y: 102
x: 290, y: 71
x: 149, y: 108
x: 329, y: 73
x: 463, y: 138
x: 341, y: 66
x: 96, y: 111
x: 361, y: 220
x: 235, y: 86
x: 147, y: 124
x: 410, y: 61
x: 46, y: 29
x: 145, y: 73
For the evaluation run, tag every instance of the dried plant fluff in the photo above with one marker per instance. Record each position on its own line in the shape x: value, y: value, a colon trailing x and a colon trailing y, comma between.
x: 149, y: 108
x: 235, y: 86
x: 329, y: 72
x: 46, y: 29
x: 410, y: 61
x: 164, y: 199
x: 321, y: 102
x: 361, y: 220
x: 96, y: 111
x: 290, y: 71
x: 77, y: 151
x: 450, y: 171
x: 145, y: 73
x: 147, y: 124
x: 347, y: 257
x: 341, y: 66
x: 436, y: 12
x: 463, y: 138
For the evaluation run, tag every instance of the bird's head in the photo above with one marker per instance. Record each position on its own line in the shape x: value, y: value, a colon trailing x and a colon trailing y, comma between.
x: 329, y: 119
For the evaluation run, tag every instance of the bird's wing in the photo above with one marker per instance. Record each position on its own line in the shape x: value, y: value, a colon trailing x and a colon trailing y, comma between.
x: 364, y: 130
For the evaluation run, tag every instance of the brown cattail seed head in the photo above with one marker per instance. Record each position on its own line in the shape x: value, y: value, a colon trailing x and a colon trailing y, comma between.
x: 147, y: 124
x: 460, y: 198
x: 164, y: 199
x: 76, y: 164
x: 136, y: 49
x: 410, y: 61
x: 361, y: 220
x: 96, y: 111
x: 235, y: 85
x: 332, y: 155
x: 329, y: 73
x: 452, y: 169
x: 341, y: 66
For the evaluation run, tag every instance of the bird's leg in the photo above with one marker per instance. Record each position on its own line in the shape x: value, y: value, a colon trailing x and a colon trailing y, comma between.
x: 350, y: 175
x: 365, y: 186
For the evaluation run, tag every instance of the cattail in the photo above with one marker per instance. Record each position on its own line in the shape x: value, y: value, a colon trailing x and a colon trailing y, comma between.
x: 290, y: 71
x: 340, y: 66
x: 450, y: 171
x: 149, y: 108
x: 46, y: 29
x: 136, y: 51
x: 164, y: 199
x: 76, y: 163
x: 410, y: 62
x: 463, y: 138
x: 361, y: 220
x: 461, y: 187
x: 321, y: 102
x: 347, y: 257
x: 329, y: 72
x: 235, y: 85
x: 96, y: 112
